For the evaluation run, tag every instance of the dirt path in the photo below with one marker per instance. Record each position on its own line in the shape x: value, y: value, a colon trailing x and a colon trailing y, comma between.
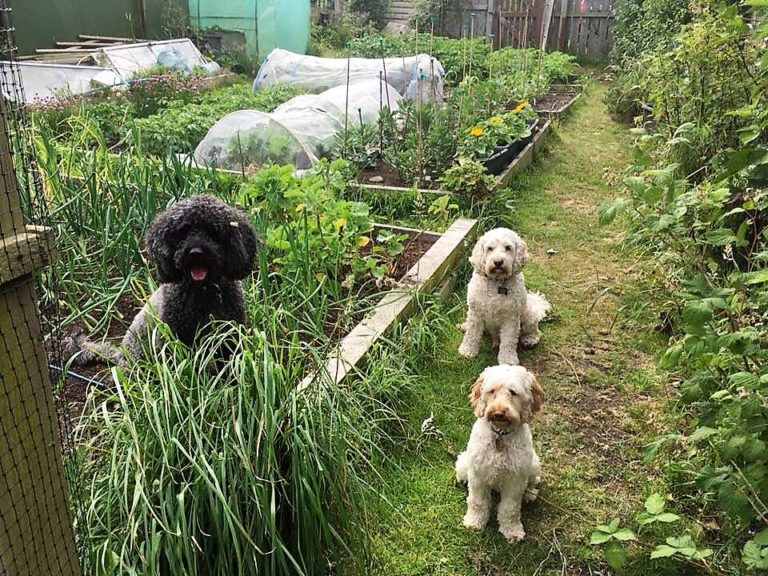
x: 596, y: 362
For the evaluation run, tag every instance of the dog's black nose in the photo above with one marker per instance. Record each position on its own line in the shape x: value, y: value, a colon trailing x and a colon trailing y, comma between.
x: 498, y: 416
x: 195, y: 252
x: 498, y: 263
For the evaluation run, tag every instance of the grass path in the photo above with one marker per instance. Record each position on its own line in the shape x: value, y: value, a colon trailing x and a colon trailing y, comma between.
x: 596, y: 362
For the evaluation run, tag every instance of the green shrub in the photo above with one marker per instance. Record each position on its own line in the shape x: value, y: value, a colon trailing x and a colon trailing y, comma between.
x: 643, y: 25
x: 180, y: 128
x: 375, y: 10
x: 459, y: 58
x: 468, y: 178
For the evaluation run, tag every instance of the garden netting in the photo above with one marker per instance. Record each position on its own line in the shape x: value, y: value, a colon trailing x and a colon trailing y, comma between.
x: 419, y: 78
x: 298, y: 132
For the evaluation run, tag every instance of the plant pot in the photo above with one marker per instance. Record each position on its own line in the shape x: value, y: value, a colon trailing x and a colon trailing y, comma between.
x: 499, y: 160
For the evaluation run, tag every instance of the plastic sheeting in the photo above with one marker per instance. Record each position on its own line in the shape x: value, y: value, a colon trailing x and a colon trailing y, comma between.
x: 418, y: 78
x: 129, y: 59
x: 298, y: 132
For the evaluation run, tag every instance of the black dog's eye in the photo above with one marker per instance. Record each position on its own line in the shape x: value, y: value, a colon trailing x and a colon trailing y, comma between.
x: 490, y: 249
x: 508, y: 248
x: 512, y: 393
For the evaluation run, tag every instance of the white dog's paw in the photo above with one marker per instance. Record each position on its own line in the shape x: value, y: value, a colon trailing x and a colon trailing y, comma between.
x: 509, y: 358
x: 474, y: 522
x: 513, y: 533
x: 531, y: 494
x: 467, y: 351
x: 530, y: 340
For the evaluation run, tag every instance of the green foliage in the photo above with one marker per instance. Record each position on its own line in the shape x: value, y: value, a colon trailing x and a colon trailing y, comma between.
x: 643, y: 25
x: 755, y: 553
x: 482, y: 140
x: 181, y: 128
x: 540, y: 69
x: 459, y: 57
x: 375, y: 10
x: 309, y: 222
x: 468, y: 178
x: 711, y: 233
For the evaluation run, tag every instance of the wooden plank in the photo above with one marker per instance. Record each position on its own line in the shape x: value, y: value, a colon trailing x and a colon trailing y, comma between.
x: 396, y: 305
x: 32, y: 490
x: 11, y: 220
x: 112, y: 38
x: 23, y: 253
x: 401, y: 190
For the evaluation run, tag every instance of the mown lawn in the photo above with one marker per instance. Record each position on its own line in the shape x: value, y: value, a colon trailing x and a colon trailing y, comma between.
x: 597, y: 364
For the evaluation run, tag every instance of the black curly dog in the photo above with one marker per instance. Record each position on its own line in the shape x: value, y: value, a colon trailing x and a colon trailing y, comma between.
x: 201, y: 248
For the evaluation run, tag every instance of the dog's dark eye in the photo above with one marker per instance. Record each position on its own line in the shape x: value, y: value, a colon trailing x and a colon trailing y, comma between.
x: 512, y: 393
x: 489, y: 249
x: 508, y: 248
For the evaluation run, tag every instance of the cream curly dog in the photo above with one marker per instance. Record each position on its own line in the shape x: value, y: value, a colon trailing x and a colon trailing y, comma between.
x: 497, y: 300
x: 500, y: 454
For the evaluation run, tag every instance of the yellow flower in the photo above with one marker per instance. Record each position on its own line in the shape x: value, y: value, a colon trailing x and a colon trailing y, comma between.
x: 476, y: 131
x: 522, y: 106
x: 497, y: 120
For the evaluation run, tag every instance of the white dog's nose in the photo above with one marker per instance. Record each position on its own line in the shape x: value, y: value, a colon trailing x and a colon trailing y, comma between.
x: 498, y: 262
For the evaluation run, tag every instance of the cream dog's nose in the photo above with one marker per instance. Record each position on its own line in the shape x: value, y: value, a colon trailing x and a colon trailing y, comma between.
x: 499, y: 416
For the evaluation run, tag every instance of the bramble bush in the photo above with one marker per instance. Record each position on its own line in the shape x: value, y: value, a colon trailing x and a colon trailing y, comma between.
x: 709, y: 232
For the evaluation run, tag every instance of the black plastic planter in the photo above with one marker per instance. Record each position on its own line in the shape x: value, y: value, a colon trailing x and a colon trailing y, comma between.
x: 496, y: 163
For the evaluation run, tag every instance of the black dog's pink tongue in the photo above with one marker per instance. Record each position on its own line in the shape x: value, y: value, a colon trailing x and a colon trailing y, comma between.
x: 198, y: 273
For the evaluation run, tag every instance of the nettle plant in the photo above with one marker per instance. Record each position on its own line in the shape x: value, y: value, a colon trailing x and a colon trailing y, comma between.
x: 613, y: 538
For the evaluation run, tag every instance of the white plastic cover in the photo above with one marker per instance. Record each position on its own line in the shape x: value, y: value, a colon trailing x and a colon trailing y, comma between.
x: 418, y: 78
x: 298, y: 132
x: 42, y: 80
x: 130, y: 59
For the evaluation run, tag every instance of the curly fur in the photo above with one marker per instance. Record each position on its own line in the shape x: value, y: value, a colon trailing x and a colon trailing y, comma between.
x: 201, y: 249
x: 497, y: 259
x: 500, y: 454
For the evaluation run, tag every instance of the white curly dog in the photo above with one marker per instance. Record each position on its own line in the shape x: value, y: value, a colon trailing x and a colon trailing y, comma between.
x: 500, y: 454
x: 497, y: 300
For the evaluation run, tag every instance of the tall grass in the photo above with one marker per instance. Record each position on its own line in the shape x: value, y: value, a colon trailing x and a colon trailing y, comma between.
x: 225, y: 470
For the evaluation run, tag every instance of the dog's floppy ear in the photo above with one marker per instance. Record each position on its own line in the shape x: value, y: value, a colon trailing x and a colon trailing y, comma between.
x: 537, y: 398
x: 521, y: 254
x: 475, y: 396
x: 161, y: 240
x: 240, y: 243
x: 478, y: 255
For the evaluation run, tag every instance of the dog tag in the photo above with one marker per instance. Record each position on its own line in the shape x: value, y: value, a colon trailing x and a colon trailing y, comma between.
x: 503, y: 290
x: 498, y: 443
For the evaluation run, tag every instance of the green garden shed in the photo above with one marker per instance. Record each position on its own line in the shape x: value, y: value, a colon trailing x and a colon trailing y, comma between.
x: 264, y: 24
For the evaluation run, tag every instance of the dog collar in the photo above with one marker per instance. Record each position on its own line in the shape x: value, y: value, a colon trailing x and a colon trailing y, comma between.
x: 499, y: 436
x: 502, y: 288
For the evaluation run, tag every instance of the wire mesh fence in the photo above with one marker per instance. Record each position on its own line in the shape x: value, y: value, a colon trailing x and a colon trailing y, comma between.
x: 36, y: 519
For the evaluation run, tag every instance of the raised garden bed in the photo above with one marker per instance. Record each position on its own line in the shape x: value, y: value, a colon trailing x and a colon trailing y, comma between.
x: 397, y: 304
x: 558, y: 99
x: 424, y: 251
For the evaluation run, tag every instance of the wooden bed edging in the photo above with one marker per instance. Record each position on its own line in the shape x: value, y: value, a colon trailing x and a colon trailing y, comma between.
x: 397, y: 304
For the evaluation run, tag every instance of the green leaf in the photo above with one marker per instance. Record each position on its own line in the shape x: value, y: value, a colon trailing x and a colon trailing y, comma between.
x: 667, y: 517
x: 599, y: 537
x: 720, y: 237
x: 744, y: 379
x: 735, y: 502
x: 624, y: 534
x: 663, y: 551
x: 608, y: 211
x: 615, y: 555
x: 754, y: 556
x: 702, y: 433
x: 761, y: 538
x: 756, y: 277
x: 654, y: 504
